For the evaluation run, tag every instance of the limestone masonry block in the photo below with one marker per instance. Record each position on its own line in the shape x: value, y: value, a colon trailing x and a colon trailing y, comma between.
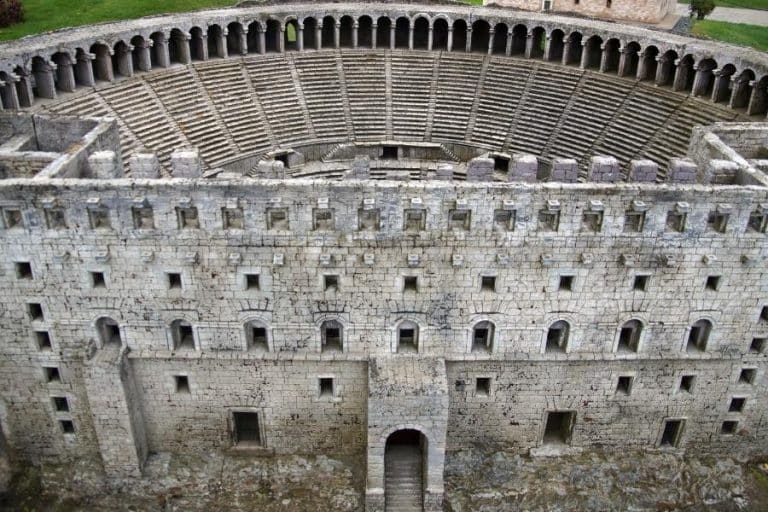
x: 186, y: 163
x: 480, y: 169
x: 643, y: 171
x: 144, y: 165
x: 604, y: 169
x: 524, y: 168
x: 105, y: 165
x: 565, y: 170
x: 682, y: 170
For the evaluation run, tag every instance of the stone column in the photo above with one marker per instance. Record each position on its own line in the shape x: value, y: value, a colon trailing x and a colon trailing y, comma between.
x: 410, y: 36
x: 300, y: 38
x: 430, y: 38
x: 374, y: 35
x: 319, y: 36
x: 720, y: 88
x: 449, y: 46
x: 756, y: 100
x: 355, y: 28
x: 737, y: 90
x: 125, y: 61
x: 103, y: 65
x: 337, y: 35
x: 700, y: 80
x: 468, y: 45
x: 392, y: 36
x: 662, y: 73
x: 84, y: 69
x: 204, y: 47
x: 623, y: 57
x: 641, y: 65
x: 491, y: 34
x: 9, y: 94
x: 547, y: 48
x: 508, y: 49
x: 566, y: 50
x: 46, y: 85
x: 162, y: 54
x: 281, y: 40
x: 529, y: 45
x: 678, y: 84
x: 603, y: 58
x: 143, y: 55
x: 65, y: 76
x: 221, y: 44
x: 584, y: 55
x: 183, y: 45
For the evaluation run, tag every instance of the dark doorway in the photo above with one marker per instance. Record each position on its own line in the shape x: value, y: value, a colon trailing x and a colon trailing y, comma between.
x: 559, y: 427
x: 246, y: 428
x: 672, y: 433
x: 404, y: 471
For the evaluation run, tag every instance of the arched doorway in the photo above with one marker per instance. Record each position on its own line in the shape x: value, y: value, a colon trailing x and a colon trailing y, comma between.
x: 405, y: 471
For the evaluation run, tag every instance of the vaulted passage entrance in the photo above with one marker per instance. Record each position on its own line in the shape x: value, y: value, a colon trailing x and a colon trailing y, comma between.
x: 403, y: 471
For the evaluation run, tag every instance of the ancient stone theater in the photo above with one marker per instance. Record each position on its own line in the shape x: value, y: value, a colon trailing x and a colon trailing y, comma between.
x: 383, y: 230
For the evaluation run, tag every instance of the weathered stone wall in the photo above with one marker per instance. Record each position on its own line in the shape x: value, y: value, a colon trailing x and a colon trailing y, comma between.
x: 648, y: 11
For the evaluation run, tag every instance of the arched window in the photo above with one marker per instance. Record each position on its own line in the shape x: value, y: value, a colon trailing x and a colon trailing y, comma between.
x: 705, y: 78
x: 272, y: 37
x: 556, y: 45
x: 440, y: 34
x: 140, y: 54
x: 383, y: 29
x: 402, y: 32
x: 331, y: 336
x: 407, y: 337
x: 459, y: 36
x: 483, y: 337
x: 537, y: 45
x: 64, y: 72
x: 611, y: 52
x: 310, y: 29
x: 197, y: 45
x: 182, y: 336
x: 328, y: 32
x: 481, y: 34
x: 421, y: 33
x: 108, y: 331
x: 631, y: 60
x: 291, y: 35
x: 649, y: 64
x: 629, y: 336
x: 721, y: 92
x: 122, y: 60
x: 253, y: 38
x: 758, y: 103
x: 684, y: 74
x: 557, y: 337
x: 574, y: 49
x: 519, y: 39
x: 256, y: 336
x: 698, y: 337
x: 594, y: 52
x: 178, y: 47
x: 742, y: 90
x: 234, y: 38
x: 214, y: 44
x: 156, y: 54
x: 500, y: 39
x: 364, y: 32
x: 345, y: 31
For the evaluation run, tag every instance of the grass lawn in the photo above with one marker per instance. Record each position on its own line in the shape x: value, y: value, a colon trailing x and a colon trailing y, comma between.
x: 745, y: 4
x: 45, y: 15
x: 736, y: 33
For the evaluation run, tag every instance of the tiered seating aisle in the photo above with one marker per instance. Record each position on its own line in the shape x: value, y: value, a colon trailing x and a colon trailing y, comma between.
x: 320, y: 82
x: 366, y: 86
x: 411, y: 83
x: 456, y: 89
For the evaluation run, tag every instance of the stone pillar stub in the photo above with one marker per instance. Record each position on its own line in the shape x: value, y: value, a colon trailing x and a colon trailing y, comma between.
x: 105, y: 165
x: 480, y: 169
x: 565, y: 170
x: 524, y: 168
x: 361, y: 168
x: 682, y: 170
x: 444, y: 172
x: 643, y: 171
x: 144, y: 165
x: 186, y: 163
x: 604, y: 169
x: 270, y: 169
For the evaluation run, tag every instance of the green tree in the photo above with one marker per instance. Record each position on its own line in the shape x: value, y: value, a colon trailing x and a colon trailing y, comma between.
x: 701, y: 8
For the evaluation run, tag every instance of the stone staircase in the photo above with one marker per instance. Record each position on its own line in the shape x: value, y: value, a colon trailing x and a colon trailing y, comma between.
x: 403, y: 479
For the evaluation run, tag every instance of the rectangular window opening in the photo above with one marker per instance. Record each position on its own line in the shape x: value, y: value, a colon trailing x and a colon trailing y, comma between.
x: 182, y: 384
x: 717, y: 222
x: 186, y: 338
x: 549, y: 220
x: 13, y: 218
x: 55, y: 218
x: 67, y: 426
x: 188, y: 218
x: 504, y: 220
x: 713, y: 283
x: 410, y: 284
x: 480, y: 340
x: 624, y: 385
x: 277, y: 218
x: 764, y: 314
x: 246, y: 428
x: 501, y: 164
x: 559, y: 427
x: 737, y: 404
x: 415, y: 220
x: 323, y: 219
x: 488, y: 283
x: 332, y: 340
x: 565, y: 284
x: 672, y: 433
x: 326, y: 386
x: 174, y: 280
x: 483, y: 386
x: 52, y: 374
x: 640, y: 284
x: 676, y: 221
x: 143, y: 218
x: 747, y: 376
x: 592, y: 221
x: 259, y: 339
x: 389, y: 153
x: 97, y: 280
x: 99, y: 218
x: 251, y: 281
x: 35, y: 311
x: 758, y: 222
x: 232, y: 218
x: 459, y: 220
x: 369, y: 220
x: 331, y: 283
x: 729, y: 427
x: 634, y: 222
x: 758, y: 345
x: 687, y: 383
x: 406, y: 340
x: 43, y: 340
x: 23, y: 270
x: 60, y: 403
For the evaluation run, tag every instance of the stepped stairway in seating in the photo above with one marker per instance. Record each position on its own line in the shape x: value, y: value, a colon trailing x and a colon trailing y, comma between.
x: 455, y: 93
x: 366, y: 87
x: 403, y: 479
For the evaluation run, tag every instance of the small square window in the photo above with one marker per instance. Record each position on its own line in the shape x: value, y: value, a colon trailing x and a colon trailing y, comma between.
x: 143, y: 218
x: 251, y: 281
x: 758, y: 345
x: 592, y: 222
x: 640, y: 284
x: 488, y: 283
x: 368, y: 219
x: 501, y: 164
x: 67, y: 426
x: 232, y: 218
x: 35, y: 311
x: 737, y: 404
x: 13, y: 218
x: 97, y: 280
x: 676, y: 221
x: 245, y: 428
x: 549, y: 220
x: 459, y: 220
x: 277, y: 218
x: 60, y: 403
x: 188, y: 218
x: 331, y: 283
x: 174, y: 280
x: 717, y: 222
x: 565, y: 284
x: 182, y: 384
x: 410, y: 284
x: 51, y: 374
x: 55, y: 219
x: 99, y: 218
x: 747, y: 376
x: 758, y: 221
x: 504, y: 220
x: 634, y: 221
x: 326, y: 386
x: 729, y: 427
x: 687, y: 382
x: 323, y: 219
x: 415, y: 220
x: 258, y: 339
x: 23, y: 270
x: 43, y: 340
x: 483, y: 386
x: 389, y: 153
x: 624, y: 385
x: 713, y: 283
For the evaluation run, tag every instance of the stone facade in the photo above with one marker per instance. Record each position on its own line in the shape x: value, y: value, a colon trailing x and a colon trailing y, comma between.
x: 308, y: 286
x: 646, y: 11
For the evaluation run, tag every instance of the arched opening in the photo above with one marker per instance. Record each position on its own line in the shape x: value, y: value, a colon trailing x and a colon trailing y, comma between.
x: 178, y: 47
x: 742, y: 90
x: 64, y: 75
x: 44, y: 85
x: 253, y: 39
x: 383, y: 30
x: 291, y: 36
x: 629, y: 336
x: 666, y: 70
x: 421, y: 33
x: 198, y: 46
x: 272, y: 36
x: 519, y: 39
x: 122, y: 60
x: 556, y: 45
x: 156, y: 51
x: 256, y: 337
x: 402, y: 32
x: 611, y: 56
x: 684, y: 74
x: 705, y: 78
x: 405, y: 470
x: 758, y: 103
x: 108, y: 332
x: 364, y: 32
x: 407, y: 337
x: 537, y: 45
x: 140, y: 54
x: 698, y: 336
x: 557, y: 337
x: 440, y: 34
x: 24, y: 87
x: 499, y: 45
x: 102, y: 62
x: 721, y: 92
x: 235, y: 37
x: 631, y: 60
x: 214, y: 38
x: 481, y: 34
x: 8, y: 92
x: 182, y: 335
x: 310, y: 37
x: 459, y: 36
x: 328, y: 32
x: 594, y: 53
x: 331, y: 336
x: 483, y: 337
x: 345, y: 31
x: 648, y: 72
x: 574, y: 49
